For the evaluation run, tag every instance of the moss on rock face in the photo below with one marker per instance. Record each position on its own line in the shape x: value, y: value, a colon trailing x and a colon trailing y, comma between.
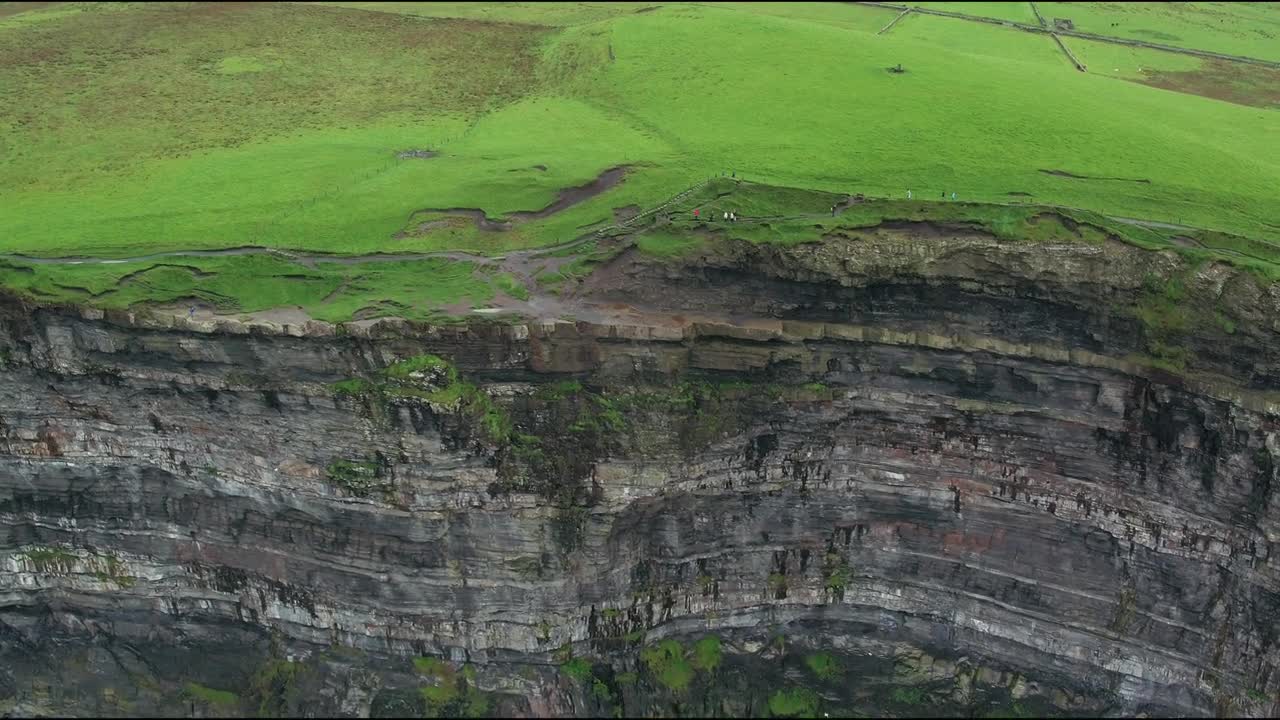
x: 577, y: 668
x: 667, y: 663
x: 449, y: 693
x: 793, y: 702
x: 358, y: 477
x: 707, y: 653
x: 105, y: 567
x: 274, y: 687
x: 52, y: 559
x: 210, y: 696
x: 429, y: 380
x: 824, y: 666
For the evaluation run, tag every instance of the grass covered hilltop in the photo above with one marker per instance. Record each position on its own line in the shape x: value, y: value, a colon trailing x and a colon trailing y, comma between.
x: 146, y: 131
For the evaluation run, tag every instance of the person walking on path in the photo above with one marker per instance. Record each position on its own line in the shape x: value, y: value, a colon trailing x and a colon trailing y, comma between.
x: 833, y: 211
x: 192, y: 312
x: 908, y: 194
x: 953, y: 196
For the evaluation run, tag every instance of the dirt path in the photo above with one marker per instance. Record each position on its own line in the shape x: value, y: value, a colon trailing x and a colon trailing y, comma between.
x: 1151, y: 223
x: 566, y: 199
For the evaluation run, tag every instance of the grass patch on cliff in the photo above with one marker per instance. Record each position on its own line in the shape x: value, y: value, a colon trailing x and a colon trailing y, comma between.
x: 793, y: 702
x: 51, y: 559
x: 274, y: 687
x: 667, y: 244
x: 331, y: 291
x: 359, y: 478
x: 433, y: 380
x: 668, y: 664
x: 578, y: 668
x: 210, y: 696
x: 824, y: 666
x: 707, y: 653
x: 450, y: 693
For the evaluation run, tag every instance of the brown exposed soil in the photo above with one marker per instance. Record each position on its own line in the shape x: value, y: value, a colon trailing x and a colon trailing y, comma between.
x: 622, y: 214
x: 1233, y: 82
x: 1073, y: 176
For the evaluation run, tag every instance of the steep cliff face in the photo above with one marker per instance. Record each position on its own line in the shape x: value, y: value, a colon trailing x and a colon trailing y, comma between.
x: 911, y: 470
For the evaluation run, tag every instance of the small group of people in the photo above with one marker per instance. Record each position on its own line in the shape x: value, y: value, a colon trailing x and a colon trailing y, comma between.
x: 727, y: 216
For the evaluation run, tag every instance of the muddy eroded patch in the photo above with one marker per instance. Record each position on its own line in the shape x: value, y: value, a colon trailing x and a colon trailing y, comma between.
x: 1233, y: 82
x: 566, y: 199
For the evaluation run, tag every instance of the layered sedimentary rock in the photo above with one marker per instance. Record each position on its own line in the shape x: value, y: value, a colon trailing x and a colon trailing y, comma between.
x: 909, y: 470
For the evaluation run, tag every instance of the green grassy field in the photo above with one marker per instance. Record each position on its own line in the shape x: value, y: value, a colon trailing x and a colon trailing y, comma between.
x: 1015, y: 11
x: 132, y: 128
x: 1248, y: 29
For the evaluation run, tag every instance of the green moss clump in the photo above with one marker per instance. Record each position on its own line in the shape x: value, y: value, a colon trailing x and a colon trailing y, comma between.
x: 824, y: 666
x: 352, y: 387
x: 275, y: 687
x: 199, y: 692
x: 666, y: 661
x: 578, y: 668
x: 794, y: 702
x: 439, y: 695
x: 421, y: 364
x: 430, y: 666
x: 707, y: 653
x: 114, y: 572
x: 51, y: 559
x: 358, y: 478
x: 450, y: 694
x: 1165, y: 317
x: 477, y: 704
